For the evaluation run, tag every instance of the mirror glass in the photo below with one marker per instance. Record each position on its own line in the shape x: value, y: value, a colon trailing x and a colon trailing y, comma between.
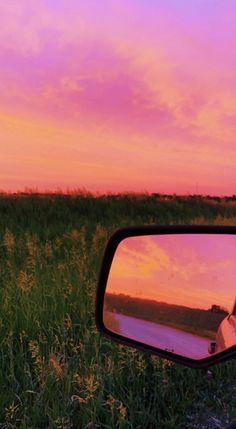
x: 175, y: 292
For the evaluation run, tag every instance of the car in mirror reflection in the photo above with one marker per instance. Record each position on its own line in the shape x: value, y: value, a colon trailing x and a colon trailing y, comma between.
x: 226, y: 334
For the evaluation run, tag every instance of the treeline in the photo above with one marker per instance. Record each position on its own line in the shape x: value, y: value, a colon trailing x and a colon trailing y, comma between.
x: 197, y: 321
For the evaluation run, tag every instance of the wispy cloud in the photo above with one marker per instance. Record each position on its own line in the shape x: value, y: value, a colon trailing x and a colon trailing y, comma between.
x: 156, y: 80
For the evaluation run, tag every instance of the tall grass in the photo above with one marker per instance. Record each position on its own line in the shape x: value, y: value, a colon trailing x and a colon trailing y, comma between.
x: 55, y: 369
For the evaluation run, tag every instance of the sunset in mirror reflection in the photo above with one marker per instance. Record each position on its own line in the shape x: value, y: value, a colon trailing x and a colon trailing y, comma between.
x: 179, y: 285
x: 192, y: 270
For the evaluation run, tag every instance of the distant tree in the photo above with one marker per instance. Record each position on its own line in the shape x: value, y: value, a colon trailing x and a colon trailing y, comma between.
x: 217, y: 309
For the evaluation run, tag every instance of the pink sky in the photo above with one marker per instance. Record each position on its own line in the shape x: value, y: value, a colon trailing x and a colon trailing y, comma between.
x: 191, y: 270
x: 118, y: 96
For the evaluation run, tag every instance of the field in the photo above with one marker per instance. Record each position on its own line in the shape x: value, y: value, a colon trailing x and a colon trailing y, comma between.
x: 55, y: 369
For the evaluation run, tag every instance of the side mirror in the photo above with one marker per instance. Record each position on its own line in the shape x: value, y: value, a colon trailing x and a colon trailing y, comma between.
x: 171, y: 291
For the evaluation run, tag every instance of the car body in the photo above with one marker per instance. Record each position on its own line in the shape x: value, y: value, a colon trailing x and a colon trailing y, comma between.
x: 226, y: 334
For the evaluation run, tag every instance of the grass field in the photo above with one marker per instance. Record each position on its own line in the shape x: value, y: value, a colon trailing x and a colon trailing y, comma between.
x: 55, y: 369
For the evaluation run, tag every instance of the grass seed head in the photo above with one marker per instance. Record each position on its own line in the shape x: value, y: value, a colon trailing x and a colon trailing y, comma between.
x: 68, y: 322
x: 48, y: 249
x: 100, y: 236
x: 32, y: 246
x: 122, y: 411
x: 24, y: 281
x: 11, y: 411
x: 78, y: 379
x: 56, y: 365
x: 9, y: 241
x: 63, y: 423
x: 90, y: 385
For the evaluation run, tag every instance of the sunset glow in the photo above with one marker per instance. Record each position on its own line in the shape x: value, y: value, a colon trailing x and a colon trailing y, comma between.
x: 116, y: 96
x: 196, y: 271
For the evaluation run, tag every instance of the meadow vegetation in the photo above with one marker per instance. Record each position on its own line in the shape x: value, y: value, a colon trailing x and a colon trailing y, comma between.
x: 55, y: 369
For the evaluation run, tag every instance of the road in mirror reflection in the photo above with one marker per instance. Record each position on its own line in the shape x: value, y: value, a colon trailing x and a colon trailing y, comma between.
x: 175, y: 292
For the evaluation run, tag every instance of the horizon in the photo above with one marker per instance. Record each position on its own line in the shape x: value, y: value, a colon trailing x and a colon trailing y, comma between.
x: 88, y: 193
x: 122, y: 294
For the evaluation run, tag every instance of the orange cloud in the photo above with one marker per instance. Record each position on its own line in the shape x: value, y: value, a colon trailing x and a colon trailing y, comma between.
x: 152, y: 89
x: 197, y: 271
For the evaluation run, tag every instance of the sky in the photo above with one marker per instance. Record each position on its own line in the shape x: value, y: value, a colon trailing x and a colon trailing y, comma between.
x: 118, y: 96
x: 202, y: 274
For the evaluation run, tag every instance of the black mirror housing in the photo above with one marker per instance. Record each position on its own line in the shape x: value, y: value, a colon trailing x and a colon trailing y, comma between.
x: 117, y: 239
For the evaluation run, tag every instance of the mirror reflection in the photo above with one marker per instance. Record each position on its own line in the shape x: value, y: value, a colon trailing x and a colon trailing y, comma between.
x: 175, y: 292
